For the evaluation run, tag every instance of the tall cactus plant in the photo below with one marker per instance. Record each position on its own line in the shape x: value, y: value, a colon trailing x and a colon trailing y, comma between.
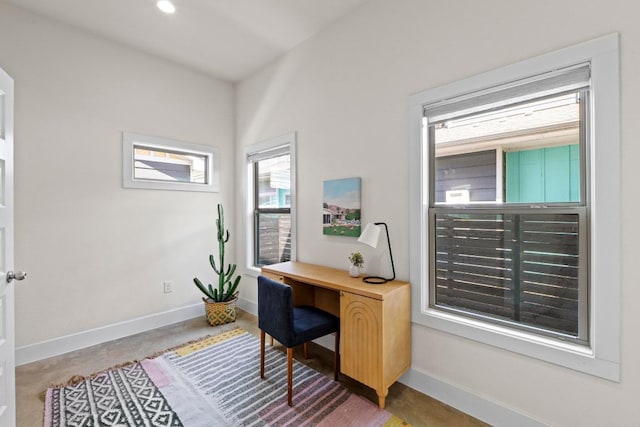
x: 226, y: 290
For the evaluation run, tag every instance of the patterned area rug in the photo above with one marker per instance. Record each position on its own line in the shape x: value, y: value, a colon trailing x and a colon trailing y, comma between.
x: 212, y: 382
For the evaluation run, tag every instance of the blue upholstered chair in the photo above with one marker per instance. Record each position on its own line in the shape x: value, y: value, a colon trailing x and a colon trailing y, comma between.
x: 290, y: 325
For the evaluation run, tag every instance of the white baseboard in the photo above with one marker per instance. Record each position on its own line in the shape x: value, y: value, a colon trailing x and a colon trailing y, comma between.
x: 248, y: 306
x: 54, y: 347
x: 469, y: 403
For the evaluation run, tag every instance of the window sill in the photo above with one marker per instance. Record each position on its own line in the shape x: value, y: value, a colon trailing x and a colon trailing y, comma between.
x: 252, y: 271
x: 573, y: 356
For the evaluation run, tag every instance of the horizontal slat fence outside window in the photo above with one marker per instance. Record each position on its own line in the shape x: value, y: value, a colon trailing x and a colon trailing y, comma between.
x: 516, y: 267
x: 274, y: 242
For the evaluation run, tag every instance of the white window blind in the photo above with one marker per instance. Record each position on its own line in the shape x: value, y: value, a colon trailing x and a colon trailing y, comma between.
x: 566, y: 79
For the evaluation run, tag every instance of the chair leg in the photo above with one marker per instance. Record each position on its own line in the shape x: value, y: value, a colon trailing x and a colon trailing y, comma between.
x: 261, y: 353
x: 289, y: 375
x: 271, y: 338
x: 305, y: 350
x: 336, y: 362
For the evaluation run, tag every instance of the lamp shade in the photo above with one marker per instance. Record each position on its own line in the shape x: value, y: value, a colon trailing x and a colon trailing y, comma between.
x: 370, y: 235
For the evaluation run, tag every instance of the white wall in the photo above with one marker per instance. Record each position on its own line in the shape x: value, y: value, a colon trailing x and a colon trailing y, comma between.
x: 345, y: 93
x: 97, y: 254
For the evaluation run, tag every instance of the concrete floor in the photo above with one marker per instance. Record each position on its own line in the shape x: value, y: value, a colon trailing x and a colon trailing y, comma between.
x: 33, y: 379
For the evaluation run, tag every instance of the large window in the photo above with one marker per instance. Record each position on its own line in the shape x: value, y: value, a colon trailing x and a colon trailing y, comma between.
x: 512, y: 170
x: 509, y: 223
x: 271, y: 183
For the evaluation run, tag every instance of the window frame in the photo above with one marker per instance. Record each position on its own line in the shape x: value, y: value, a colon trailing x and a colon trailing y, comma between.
x: 132, y: 140
x: 250, y: 197
x: 601, y: 357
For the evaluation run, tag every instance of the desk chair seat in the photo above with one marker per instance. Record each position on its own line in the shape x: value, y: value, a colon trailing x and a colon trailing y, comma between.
x: 290, y: 325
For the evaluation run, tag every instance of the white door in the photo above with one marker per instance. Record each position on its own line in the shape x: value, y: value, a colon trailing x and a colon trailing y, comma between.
x: 7, y: 276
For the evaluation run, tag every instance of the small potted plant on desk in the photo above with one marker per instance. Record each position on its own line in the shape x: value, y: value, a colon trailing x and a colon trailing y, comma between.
x: 220, y: 302
x: 357, y: 261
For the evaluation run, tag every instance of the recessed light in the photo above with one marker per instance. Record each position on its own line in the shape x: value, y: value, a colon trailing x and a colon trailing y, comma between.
x: 166, y: 6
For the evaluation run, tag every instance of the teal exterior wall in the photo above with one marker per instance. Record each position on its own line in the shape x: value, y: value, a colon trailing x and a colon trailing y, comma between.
x: 543, y: 175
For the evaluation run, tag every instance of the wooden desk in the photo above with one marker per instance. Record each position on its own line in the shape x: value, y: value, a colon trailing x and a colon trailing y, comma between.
x: 375, y: 324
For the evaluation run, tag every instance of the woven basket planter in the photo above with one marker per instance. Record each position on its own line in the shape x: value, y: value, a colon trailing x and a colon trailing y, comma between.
x: 219, y: 313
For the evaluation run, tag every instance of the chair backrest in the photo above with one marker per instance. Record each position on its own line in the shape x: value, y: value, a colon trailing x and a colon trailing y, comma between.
x: 275, y: 309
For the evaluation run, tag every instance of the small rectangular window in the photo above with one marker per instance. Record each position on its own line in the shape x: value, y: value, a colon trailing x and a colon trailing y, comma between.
x: 158, y: 163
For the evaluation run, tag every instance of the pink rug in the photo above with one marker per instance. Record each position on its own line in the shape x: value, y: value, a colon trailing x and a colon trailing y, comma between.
x: 212, y: 382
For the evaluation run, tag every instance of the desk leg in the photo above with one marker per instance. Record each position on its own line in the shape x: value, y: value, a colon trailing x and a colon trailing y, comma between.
x: 382, y: 395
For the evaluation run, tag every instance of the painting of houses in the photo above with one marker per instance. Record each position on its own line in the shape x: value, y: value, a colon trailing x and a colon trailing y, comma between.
x: 341, y: 207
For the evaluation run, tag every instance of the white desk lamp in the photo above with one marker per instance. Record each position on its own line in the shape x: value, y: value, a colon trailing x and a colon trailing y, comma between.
x: 370, y: 236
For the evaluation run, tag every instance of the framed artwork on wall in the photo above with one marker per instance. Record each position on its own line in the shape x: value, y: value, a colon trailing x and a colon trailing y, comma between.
x: 341, y: 207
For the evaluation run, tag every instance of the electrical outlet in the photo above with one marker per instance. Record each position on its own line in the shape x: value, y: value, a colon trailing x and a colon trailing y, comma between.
x: 168, y: 287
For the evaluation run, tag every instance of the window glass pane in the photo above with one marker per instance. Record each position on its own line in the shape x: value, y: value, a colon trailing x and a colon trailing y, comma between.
x: 166, y: 165
x: 521, y: 268
x: 462, y: 178
x: 274, y: 238
x: 523, y: 153
x: 274, y: 182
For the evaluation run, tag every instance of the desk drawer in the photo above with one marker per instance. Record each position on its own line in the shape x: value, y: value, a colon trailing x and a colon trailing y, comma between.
x: 276, y: 277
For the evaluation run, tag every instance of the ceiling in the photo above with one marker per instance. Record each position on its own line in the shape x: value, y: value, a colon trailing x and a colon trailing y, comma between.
x: 228, y: 39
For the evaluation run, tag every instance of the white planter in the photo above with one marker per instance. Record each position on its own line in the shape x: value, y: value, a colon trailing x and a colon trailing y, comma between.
x: 354, y: 271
